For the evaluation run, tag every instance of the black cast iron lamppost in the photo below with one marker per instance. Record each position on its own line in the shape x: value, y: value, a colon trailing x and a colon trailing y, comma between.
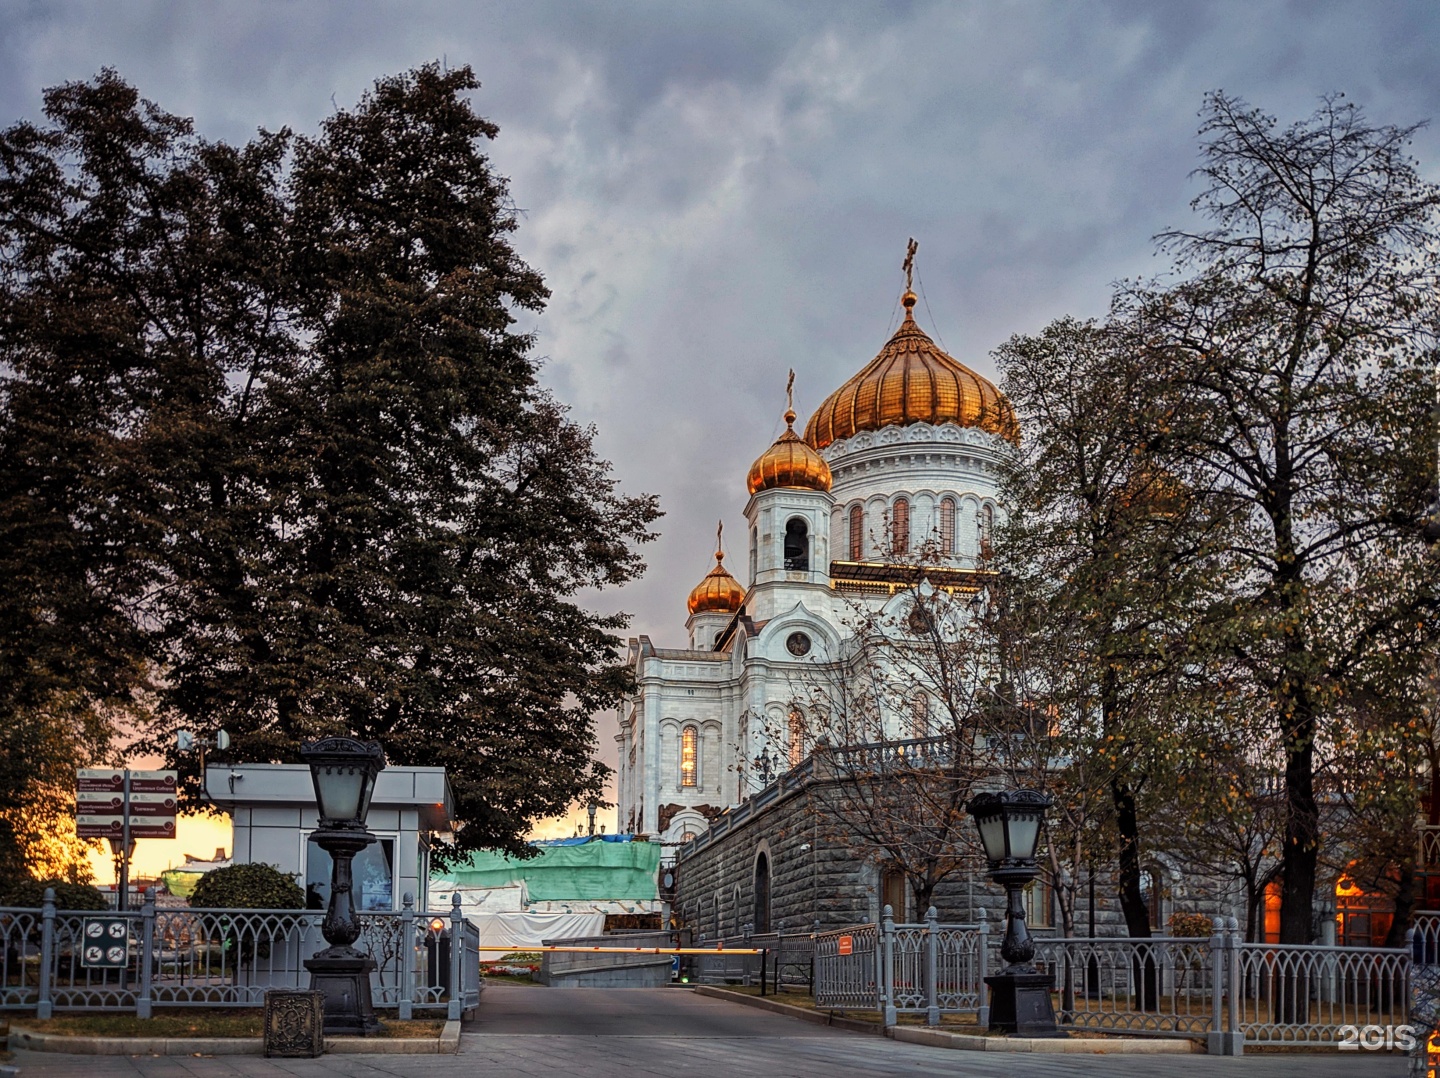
x: 1009, y: 825
x: 344, y: 771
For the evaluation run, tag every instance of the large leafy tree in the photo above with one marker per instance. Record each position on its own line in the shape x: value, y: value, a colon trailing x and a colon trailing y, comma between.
x: 1297, y: 353
x: 290, y: 456
x: 1109, y: 563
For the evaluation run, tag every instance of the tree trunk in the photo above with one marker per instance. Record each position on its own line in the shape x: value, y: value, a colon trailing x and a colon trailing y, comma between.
x: 1405, y: 898
x: 1132, y: 901
x: 1302, y: 828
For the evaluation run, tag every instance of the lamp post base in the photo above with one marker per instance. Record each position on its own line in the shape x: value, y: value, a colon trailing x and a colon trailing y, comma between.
x: 1020, y: 1004
x: 345, y: 981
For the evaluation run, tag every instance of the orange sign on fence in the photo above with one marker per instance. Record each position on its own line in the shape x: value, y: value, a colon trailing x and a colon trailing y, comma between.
x: 845, y: 945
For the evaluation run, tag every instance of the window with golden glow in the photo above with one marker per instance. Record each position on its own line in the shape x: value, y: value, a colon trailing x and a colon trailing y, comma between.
x: 987, y: 527
x: 947, y: 526
x: 689, y: 771
x: 857, y: 533
x: 797, y: 738
x: 900, y: 527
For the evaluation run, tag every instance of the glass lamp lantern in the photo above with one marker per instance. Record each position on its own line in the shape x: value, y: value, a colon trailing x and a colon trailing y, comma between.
x: 1009, y: 824
x: 343, y: 770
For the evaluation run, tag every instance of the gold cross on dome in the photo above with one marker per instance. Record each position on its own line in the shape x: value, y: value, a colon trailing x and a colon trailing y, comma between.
x: 790, y: 392
x: 719, y: 538
x: 909, y: 265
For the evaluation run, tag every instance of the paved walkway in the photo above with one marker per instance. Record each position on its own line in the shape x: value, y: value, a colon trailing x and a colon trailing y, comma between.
x: 640, y: 1033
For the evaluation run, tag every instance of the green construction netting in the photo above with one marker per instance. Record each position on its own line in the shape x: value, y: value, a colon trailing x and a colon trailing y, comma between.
x: 590, y: 870
x: 179, y: 882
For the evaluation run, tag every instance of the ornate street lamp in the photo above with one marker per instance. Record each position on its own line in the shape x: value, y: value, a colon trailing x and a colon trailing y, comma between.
x: 1009, y: 825
x: 592, y: 808
x: 344, y: 771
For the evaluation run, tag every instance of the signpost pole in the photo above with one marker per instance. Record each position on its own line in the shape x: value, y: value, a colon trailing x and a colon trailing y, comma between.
x: 124, y: 897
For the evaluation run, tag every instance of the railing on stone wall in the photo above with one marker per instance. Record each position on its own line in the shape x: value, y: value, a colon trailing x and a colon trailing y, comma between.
x: 228, y: 958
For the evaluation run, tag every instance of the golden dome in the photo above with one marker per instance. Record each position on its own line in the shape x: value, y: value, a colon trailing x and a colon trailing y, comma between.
x: 789, y: 463
x: 718, y: 593
x: 912, y: 381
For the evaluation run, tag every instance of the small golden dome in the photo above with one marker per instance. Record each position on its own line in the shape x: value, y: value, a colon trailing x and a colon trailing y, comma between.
x: 912, y: 381
x: 719, y: 592
x: 789, y: 463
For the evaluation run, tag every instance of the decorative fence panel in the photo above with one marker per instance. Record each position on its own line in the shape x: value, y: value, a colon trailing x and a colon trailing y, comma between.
x: 847, y: 973
x: 1289, y: 994
x: 1162, y: 986
x: 227, y: 958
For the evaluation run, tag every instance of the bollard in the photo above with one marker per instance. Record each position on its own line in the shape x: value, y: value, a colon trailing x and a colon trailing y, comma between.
x: 457, y: 957
x: 887, y: 967
x: 44, y: 1007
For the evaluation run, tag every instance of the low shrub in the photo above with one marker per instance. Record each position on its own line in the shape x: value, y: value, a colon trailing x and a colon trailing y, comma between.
x: 247, y: 887
x: 30, y: 894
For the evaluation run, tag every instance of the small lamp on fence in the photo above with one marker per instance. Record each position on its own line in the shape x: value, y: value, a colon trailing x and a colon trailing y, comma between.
x: 343, y: 770
x: 1009, y: 824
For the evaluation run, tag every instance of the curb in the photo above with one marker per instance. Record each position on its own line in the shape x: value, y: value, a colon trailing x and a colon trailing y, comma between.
x: 965, y: 1042
x: 448, y: 1043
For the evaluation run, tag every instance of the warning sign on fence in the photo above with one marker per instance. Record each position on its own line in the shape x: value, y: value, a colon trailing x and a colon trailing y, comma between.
x: 105, y: 942
x: 845, y: 945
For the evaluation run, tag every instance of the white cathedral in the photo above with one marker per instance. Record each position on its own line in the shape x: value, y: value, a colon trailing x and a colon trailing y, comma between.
x: 904, y: 455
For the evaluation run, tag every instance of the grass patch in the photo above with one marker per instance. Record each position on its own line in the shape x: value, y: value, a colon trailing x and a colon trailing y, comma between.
x: 237, y: 1022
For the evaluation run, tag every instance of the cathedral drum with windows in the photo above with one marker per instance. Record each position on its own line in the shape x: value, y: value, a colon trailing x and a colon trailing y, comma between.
x: 897, y: 468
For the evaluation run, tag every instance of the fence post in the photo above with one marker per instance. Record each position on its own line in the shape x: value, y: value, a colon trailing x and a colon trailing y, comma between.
x: 143, y: 1002
x: 406, y: 1006
x: 887, y: 967
x: 44, y: 1008
x: 982, y: 967
x: 457, y: 957
x: 1234, y: 990
x: 932, y: 967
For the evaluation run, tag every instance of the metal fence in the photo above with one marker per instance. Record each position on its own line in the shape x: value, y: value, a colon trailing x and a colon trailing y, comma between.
x: 228, y: 958
x: 1227, y: 991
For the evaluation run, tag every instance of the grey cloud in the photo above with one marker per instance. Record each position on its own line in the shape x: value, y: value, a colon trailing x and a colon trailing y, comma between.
x: 719, y: 192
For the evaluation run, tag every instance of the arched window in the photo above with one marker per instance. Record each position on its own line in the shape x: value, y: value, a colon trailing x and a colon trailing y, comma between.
x: 900, y: 527
x: 987, y: 528
x: 689, y: 762
x: 947, y: 526
x: 919, y: 717
x: 857, y: 533
x: 762, y: 894
x: 796, y: 748
x: 797, y: 545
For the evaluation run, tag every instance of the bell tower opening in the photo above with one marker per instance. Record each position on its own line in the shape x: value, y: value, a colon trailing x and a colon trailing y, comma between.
x: 797, y: 545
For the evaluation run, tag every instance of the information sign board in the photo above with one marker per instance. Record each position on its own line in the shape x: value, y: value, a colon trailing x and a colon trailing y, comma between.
x: 101, y: 804
x: 845, y: 945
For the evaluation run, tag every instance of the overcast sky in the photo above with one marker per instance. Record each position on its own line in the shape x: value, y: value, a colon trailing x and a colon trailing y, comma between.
x: 717, y: 192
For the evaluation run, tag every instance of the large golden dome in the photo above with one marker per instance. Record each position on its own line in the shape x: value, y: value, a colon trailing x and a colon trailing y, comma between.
x: 911, y: 381
x: 719, y: 592
x: 789, y: 463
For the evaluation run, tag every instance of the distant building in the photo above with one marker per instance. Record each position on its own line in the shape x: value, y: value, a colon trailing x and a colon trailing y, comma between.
x: 905, y: 454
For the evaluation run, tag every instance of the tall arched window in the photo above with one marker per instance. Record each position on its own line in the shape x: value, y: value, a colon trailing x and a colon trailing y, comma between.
x: 689, y: 757
x: 919, y: 716
x: 857, y: 533
x: 796, y: 749
x: 947, y: 526
x: 900, y: 527
x: 797, y: 545
x: 754, y: 555
x: 762, y: 894
x: 987, y: 527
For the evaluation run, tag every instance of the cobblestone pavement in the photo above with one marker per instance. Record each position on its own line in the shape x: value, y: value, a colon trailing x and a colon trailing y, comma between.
x: 638, y: 1033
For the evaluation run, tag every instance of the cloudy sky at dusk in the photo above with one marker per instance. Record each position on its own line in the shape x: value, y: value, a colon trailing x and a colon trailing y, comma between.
x: 717, y: 192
